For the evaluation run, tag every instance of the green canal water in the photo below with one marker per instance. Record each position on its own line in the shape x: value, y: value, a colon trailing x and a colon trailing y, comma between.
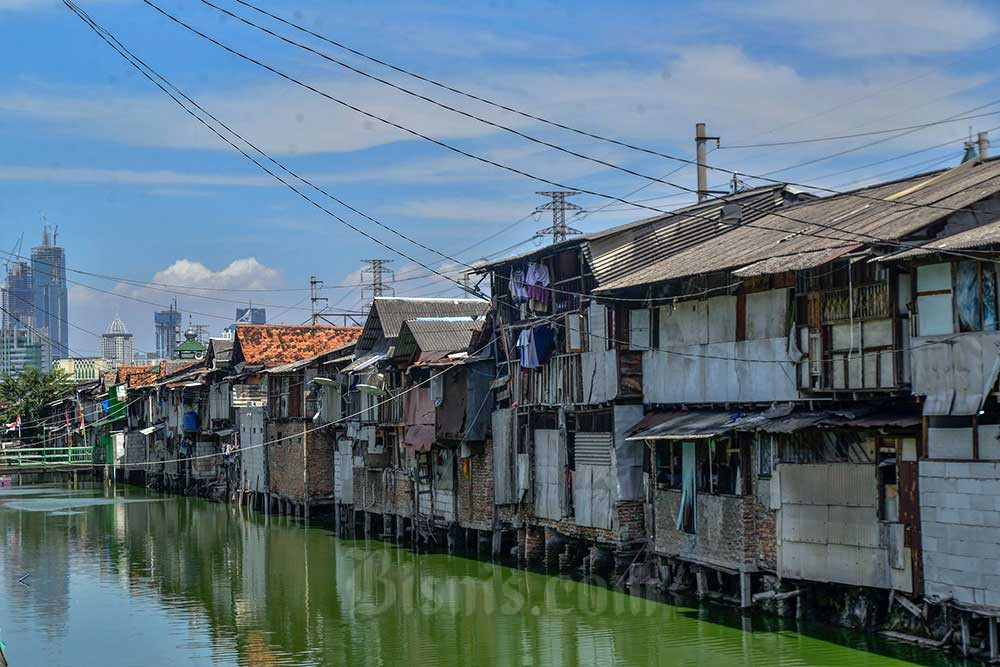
x: 129, y: 577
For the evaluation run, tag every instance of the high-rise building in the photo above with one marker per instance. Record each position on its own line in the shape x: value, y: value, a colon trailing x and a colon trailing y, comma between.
x: 20, y: 302
x: 250, y: 316
x: 20, y: 349
x: 116, y: 344
x: 48, y: 279
x: 167, y: 324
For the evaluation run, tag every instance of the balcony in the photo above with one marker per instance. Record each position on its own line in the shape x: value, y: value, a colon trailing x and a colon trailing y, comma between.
x: 560, y: 382
x: 866, y: 302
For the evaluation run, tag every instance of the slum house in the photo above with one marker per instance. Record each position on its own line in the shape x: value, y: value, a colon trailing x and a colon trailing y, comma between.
x: 563, y: 471
x: 271, y: 472
x: 381, y: 482
x: 796, y: 311
x: 184, y: 431
x: 954, y: 360
x: 304, y: 414
x: 446, y: 415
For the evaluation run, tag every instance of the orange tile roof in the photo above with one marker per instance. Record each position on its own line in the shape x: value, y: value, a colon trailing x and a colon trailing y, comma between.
x: 138, y: 376
x: 277, y: 344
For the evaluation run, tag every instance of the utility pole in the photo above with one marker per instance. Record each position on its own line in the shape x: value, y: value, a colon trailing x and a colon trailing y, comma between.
x: 558, y: 206
x: 377, y: 286
x: 314, y: 298
x: 700, y: 140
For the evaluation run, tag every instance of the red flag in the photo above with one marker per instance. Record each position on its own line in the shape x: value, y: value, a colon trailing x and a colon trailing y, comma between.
x: 14, y: 425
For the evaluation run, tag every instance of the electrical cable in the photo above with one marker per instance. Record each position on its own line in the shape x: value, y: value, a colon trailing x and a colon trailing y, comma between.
x: 480, y: 158
x: 101, y: 31
x: 479, y: 98
x: 309, y: 49
x: 108, y: 38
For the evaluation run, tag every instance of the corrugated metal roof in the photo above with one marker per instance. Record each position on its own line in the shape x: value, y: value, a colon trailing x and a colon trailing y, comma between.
x: 694, y: 425
x: 977, y: 237
x: 388, y: 314
x: 856, y: 220
x: 699, y: 424
x: 430, y: 335
x: 618, y: 251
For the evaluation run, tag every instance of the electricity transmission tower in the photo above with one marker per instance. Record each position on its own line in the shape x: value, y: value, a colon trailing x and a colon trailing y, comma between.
x: 558, y: 206
x: 377, y: 272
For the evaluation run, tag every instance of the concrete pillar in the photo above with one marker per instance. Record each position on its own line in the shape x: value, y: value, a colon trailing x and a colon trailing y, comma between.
x: 368, y: 525
x: 746, y: 597
x: 992, y: 629
x: 965, y: 633
x: 305, y: 510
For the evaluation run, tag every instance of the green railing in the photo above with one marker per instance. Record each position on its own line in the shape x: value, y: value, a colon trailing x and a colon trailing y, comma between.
x: 25, y: 457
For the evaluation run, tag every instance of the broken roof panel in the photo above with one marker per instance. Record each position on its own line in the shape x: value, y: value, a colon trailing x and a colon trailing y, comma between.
x: 693, y: 425
x: 276, y: 344
x: 831, y: 224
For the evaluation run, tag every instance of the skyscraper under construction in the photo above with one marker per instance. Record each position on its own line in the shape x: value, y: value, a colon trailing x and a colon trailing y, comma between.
x: 48, y: 278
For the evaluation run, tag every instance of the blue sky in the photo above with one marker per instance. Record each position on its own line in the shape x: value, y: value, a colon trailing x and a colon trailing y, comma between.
x: 139, y: 190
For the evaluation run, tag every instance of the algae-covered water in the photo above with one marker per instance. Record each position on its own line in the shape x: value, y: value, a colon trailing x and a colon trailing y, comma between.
x: 123, y: 576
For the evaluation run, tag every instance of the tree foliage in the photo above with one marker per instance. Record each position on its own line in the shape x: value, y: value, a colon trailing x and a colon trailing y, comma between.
x: 28, y: 394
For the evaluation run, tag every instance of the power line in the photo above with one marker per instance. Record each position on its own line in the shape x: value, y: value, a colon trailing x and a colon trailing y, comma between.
x: 700, y: 163
x: 133, y: 60
x: 839, y: 137
x: 142, y: 67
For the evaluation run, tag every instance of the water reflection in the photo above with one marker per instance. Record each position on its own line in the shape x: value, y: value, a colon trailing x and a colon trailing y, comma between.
x: 137, y: 578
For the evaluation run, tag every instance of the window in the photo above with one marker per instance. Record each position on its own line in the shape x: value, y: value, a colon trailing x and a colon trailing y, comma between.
x: 719, y: 467
x: 765, y: 454
x: 668, y: 465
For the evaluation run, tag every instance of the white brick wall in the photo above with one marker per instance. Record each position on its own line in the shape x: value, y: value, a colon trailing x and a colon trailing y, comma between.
x: 960, y: 520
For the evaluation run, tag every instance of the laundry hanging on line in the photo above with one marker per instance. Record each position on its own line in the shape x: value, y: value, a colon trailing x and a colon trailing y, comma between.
x: 535, y: 346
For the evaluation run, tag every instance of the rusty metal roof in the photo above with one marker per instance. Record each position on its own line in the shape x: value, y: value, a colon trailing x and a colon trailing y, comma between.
x: 786, y: 238
x: 388, y: 314
x: 277, y: 344
x: 693, y: 425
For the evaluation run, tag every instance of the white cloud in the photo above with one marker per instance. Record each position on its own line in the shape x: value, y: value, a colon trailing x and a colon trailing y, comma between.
x: 246, y: 273
x: 738, y: 95
x: 858, y: 28
x: 93, y: 310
